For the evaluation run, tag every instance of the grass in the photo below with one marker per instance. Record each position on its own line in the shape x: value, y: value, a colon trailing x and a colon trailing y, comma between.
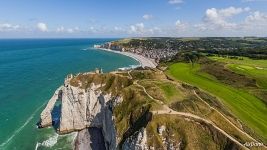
x: 246, y: 61
x: 251, y: 110
x: 227, y: 127
x: 254, y: 68
x: 135, y: 103
x: 184, y: 133
x: 134, y: 112
x: 170, y: 91
x: 163, y: 90
x: 258, y: 74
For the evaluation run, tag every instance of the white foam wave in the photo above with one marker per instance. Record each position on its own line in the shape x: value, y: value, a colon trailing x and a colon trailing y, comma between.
x: 130, y: 67
x: 37, y: 145
x: 50, y: 142
x: 19, y: 129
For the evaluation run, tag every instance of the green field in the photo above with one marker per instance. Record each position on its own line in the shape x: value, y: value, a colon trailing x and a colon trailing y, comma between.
x: 248, y: 108
x: 245, y: 61
x: 256, y: 69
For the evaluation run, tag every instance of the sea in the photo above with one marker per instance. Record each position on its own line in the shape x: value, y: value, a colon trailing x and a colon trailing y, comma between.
x: 30, y: 72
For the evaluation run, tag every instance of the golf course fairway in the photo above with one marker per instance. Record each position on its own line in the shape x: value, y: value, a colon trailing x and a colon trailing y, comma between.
x: 248, y: 108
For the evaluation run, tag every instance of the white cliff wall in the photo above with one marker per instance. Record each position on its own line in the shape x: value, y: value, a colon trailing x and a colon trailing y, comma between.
x: 138, y: 141
x: 84, y: 108
x: 46, y: 117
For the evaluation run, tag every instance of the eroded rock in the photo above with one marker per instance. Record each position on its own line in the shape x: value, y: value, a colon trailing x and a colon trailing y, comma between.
x: 46, y: 117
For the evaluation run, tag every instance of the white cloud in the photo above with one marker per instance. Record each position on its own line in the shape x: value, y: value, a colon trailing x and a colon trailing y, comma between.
x: 219, y: 18
x: 8, y: 27
x: 60, y: 29
x: 138, y: 28
x: 42, y: 27
x: 222, y: 22
x: 231, y: 11
x: 118, y: 28
x: 257, y: 21
x: 175, y: 1
x: 257, y: 17
x: 155, y: 30
x: 147, y: 17
x: 179, y: 25
x: 68, y: 30
x: 92, y: 29
x: 254, y: 0
x: 76, y: 28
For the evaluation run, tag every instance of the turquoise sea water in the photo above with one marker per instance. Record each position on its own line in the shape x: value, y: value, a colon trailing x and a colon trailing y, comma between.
x: 30, y: 72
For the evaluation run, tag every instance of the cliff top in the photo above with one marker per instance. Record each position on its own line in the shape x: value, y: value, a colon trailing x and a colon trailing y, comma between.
x: 167, y: 109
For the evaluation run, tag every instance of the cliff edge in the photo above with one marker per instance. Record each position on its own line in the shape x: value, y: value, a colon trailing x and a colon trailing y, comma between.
x: 138, y: 109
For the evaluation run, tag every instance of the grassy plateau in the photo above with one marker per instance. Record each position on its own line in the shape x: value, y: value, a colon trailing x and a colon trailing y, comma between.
x: 253, y: 68
x: 250, y: 109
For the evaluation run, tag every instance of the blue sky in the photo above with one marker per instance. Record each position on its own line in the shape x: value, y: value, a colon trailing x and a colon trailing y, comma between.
x: 132, y: 18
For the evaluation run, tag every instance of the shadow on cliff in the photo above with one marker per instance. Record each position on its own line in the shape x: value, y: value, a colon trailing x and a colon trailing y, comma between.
x: 56, y: 114
x: 136, y: 126
x: 101, y: 133
x: 96, y: 138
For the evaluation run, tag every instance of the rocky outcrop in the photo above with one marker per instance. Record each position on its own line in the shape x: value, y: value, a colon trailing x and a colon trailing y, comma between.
x: 46, y: 117
x: 90, y: 138
x: 79, y: 108
x: 93, y: 104
x: 82, y: 109
x: 138, y: 141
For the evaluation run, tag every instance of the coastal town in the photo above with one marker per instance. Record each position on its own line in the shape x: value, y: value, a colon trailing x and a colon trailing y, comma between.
x: 133, y: 75
x: 161, y: 101
x: 165, y: 49
x: 155, y: 54
x: 143, y: 60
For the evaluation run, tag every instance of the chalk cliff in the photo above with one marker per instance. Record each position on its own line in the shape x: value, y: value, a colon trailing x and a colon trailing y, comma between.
x: 46, y: 117
x: 83, y: 108
x: 114, y: 111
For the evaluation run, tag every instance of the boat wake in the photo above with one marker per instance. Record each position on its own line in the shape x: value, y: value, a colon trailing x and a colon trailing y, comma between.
x: 19, y: 129
x: 85, y: 49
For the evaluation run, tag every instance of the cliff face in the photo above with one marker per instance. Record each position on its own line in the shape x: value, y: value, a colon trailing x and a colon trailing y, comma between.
x: 138, y: 141
x: 114, y: 111
x: 46, y: 117
x: 83, y: 110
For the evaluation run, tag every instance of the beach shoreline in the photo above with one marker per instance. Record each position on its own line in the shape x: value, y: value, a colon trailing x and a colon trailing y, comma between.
x: 143, y: 61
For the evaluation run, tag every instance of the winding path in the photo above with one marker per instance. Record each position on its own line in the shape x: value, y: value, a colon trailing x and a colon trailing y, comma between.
x: 225, y: 118
x: 168, y: 110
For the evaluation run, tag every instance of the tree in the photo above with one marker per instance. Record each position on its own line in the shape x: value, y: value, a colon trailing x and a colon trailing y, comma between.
x: 192, y: 57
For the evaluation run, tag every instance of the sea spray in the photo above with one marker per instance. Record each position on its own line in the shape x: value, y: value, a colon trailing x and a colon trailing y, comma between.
x: 56, y: 141
x: 129, y: 67
x: 50, y: 142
